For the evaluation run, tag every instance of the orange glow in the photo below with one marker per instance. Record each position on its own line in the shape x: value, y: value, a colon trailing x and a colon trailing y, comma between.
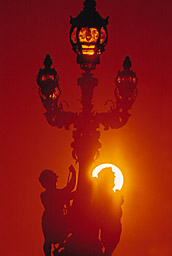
x: 88, y: 35
x: 88, y: 49
x: 119, y: 79
x: 55, y: 94
x: 47, y: 77
x: 118, y: 177
x: 88, y: 52
x: 134, y: 79
x: 88, y: 46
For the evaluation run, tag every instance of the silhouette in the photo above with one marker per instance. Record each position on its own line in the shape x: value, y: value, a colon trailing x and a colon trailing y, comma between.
x: 96, y: 223
x: 92, y: 226
x: 54, y: 220
x: 84, y: 239
x: 107, y: 211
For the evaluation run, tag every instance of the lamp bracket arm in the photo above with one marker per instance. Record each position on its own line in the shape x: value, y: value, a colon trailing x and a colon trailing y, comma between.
x: 113, y: 119
x: 57, y: 117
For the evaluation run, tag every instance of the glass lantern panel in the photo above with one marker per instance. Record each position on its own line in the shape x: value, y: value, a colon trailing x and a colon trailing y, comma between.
x: 134, y: 80
x: 73, y: 36
x: 118, y: 79
x: 88, y: 49
x: 47, y: 77
x: 103, y: 35
x: 88, y: 35
x: 55, y: 94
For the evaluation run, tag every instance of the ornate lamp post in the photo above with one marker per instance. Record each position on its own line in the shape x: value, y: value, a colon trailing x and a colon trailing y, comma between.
x: 88, y: 36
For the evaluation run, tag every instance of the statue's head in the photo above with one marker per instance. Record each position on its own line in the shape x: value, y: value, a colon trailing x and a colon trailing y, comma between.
x: 106, y: 178
x: 48, y: 178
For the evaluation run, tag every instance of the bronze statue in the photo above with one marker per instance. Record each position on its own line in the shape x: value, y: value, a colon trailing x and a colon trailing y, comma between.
x: 108, y: 212
x: 54, y: 220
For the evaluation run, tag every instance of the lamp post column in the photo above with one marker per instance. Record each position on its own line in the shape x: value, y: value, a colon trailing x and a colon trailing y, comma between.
x: 86, y: 144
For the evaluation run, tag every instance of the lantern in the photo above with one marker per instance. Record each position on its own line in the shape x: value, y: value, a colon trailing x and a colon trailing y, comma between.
x: 47, y: 81
x: 126, y: 82
x: 88, y: 35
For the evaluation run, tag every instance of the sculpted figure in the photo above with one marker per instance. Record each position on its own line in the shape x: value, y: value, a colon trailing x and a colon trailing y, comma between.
x: 108, y: 211
x: 54, y: 223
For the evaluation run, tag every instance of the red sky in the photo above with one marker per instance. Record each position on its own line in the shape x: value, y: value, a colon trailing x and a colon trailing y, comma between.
x: 142, y: 149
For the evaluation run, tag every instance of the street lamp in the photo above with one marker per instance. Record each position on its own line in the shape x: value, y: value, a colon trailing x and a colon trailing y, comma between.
x: 126, y: 81
x: 47, y: 80
x: 88, y: 36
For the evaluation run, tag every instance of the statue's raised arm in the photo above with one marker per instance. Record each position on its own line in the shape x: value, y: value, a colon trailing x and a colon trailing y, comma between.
x: 71, y: 180
x: 54, y: 220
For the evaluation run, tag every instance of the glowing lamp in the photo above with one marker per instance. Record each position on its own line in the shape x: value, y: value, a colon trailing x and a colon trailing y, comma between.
x: 47, y: 81
x: 126, y: 82
x: 118, y: 177
x: 88, y: 34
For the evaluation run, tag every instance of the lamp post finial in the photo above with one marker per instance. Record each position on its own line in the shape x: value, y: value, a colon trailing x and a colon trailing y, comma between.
x: 89, y: 4
x: 127, y: 63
